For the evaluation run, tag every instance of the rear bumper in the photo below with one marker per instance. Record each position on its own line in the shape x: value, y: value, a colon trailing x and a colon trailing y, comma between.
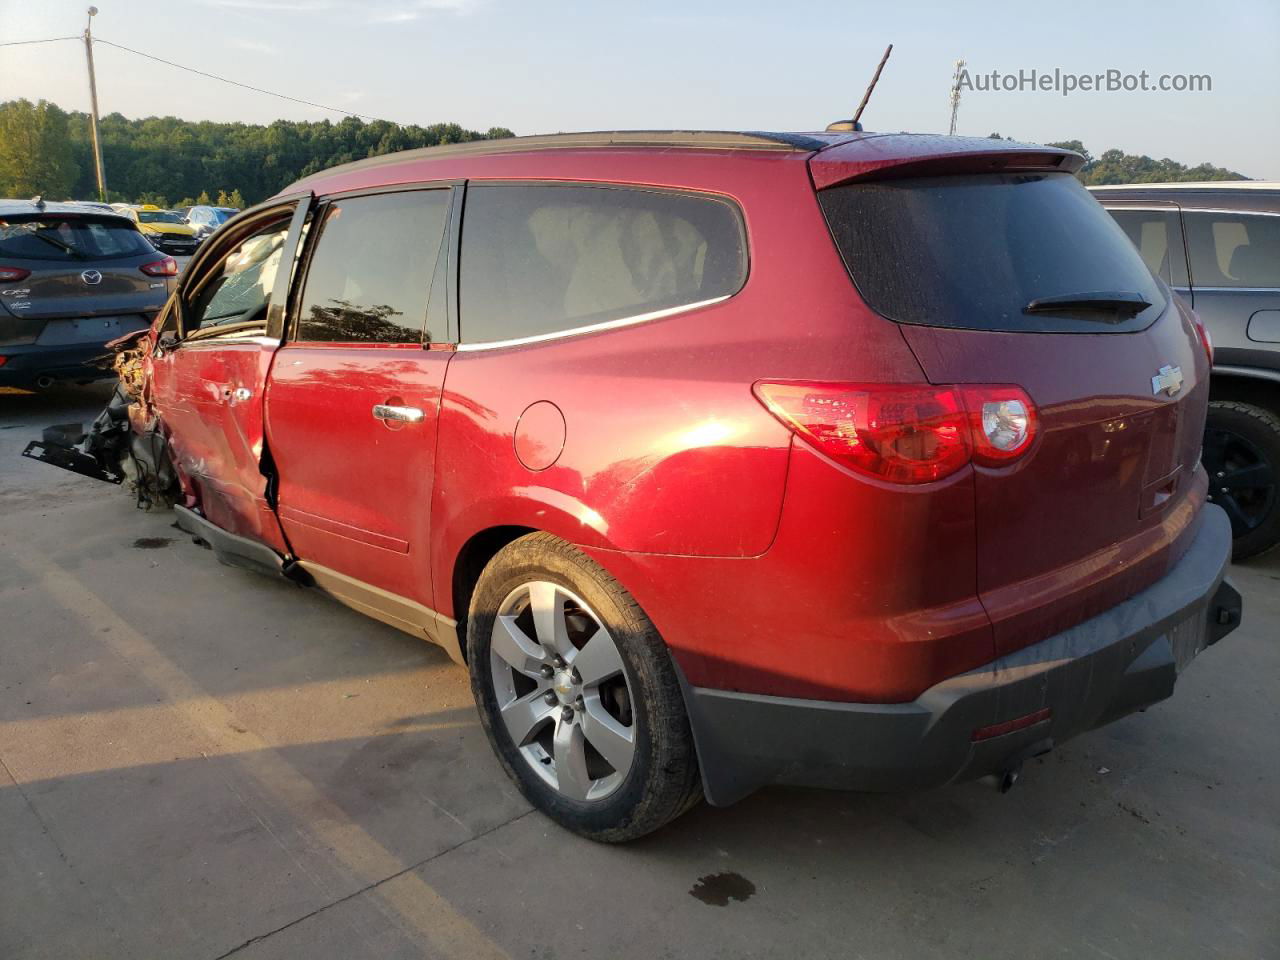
x: 26, y: 365
x: 1122, y: 660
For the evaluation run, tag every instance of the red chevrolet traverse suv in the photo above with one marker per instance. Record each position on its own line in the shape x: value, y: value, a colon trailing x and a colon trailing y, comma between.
x: 719, y: 459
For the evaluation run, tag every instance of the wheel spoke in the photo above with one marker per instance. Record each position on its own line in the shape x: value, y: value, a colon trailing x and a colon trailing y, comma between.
x: 524, y: 714
x: 547, y: 604
x: 1213, y: 453
x: 1239, y: 520
x: 599, y: 659
x: 571, y: 760
x: 522, y: 653
x: 614, y: 742
x: 1247, y: 478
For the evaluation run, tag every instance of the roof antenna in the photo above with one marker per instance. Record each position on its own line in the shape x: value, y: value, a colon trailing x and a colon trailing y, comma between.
x: 848, y: 125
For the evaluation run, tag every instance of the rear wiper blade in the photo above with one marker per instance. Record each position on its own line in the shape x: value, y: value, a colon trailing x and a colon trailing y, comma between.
x: 61, y: 245
x: 1119, y: 300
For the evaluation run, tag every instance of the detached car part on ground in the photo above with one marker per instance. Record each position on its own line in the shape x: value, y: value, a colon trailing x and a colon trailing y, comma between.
x: 719, y: 459
x: 125, y: 441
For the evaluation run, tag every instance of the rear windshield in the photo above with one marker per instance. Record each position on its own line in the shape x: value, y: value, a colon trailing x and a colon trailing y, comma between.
x: 70, y: 238
x: 974, y: 251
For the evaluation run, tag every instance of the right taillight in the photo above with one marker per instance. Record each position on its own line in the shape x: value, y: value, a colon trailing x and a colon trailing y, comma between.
x: 164, y: 267
x: 1002, y: 422
x: 905, y: 433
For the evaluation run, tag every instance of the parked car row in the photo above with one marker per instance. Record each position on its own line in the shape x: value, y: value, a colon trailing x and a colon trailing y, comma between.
x: 173, y: 231
x: 718, y: 459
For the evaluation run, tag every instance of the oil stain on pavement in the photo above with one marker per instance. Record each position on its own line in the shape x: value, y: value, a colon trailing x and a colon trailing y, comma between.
x: 152, y: 543
x: 717, y: 889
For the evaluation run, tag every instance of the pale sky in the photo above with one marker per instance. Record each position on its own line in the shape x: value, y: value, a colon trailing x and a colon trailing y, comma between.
x: 548, y: 66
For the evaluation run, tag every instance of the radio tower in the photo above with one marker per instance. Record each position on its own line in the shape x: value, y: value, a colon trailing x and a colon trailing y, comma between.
x: 955, y: 96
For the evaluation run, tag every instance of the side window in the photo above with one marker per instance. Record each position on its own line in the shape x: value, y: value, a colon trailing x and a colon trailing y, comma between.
x: 1158, y: 236
x: 240, y: 289
x: 370, y: 274
x: 1233, y: 249
x: 543, y: 258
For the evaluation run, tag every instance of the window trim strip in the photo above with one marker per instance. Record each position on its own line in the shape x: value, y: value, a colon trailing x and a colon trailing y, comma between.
x: 594, y: 327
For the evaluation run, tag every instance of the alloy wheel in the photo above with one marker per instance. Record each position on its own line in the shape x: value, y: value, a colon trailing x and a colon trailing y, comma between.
x: 562, y: 691
x: 1241, y: 479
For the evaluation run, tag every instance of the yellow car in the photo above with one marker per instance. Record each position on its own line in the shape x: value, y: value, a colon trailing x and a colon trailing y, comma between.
x: 166, y: 229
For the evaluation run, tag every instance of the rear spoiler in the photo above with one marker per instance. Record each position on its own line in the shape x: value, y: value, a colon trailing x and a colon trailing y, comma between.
x: 893, y: 155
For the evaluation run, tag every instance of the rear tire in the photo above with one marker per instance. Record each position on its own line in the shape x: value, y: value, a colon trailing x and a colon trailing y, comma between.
x: 605, y: 751
x: 1242, y: 457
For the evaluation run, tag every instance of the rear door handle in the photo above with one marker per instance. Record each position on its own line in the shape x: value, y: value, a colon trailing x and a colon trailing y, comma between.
x: 382, y: 411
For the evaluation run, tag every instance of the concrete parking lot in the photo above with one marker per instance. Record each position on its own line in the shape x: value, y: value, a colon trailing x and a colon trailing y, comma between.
x: 199, y: 762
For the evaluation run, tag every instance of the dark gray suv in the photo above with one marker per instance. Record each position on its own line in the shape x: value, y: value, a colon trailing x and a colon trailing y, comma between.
x: 1218, y: 245
x: 72, y: 278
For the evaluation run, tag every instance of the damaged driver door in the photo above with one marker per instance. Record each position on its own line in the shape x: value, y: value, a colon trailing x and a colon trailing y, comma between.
x: 208, y: 380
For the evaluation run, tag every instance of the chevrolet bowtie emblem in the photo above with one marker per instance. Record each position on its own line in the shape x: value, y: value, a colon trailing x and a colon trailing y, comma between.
x: 1168, y: 381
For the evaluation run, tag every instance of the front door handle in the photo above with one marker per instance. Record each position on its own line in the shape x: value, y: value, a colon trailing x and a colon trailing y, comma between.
x: 383, y: 411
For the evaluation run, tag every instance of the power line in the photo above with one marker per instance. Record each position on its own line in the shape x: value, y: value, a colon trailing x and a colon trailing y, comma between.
x: 18, y: 43
x: 237, y: 83
x: 211, y: 76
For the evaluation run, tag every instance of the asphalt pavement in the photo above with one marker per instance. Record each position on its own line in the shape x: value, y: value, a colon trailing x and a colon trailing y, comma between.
x: 199, y: 762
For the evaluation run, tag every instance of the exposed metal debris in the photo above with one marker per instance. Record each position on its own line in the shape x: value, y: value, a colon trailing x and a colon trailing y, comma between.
x: 125, y: 441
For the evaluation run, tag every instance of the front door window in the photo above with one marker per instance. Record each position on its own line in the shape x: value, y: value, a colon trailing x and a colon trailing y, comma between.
x: 237, y: 293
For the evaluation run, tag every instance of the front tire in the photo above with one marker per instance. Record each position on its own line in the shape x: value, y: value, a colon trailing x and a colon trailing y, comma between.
x: 577, y: 693
x: 1242, y: 457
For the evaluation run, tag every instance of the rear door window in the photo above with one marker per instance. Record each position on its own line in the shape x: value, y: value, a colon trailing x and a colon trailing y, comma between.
x: 974, y: 251
x: 1157, y: 234
x: 70, y: 239
x: 370, y: 276
x: 1233, y: 249
x: 544, y: 258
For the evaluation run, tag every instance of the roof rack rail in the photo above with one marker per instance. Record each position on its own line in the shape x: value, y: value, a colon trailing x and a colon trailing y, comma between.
x: 690, y: 139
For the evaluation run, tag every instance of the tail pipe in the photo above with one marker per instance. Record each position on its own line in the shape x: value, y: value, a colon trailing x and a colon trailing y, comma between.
x: 1005, y: 780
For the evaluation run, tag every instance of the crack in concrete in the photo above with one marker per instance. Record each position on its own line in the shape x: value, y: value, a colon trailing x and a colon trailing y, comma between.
x: 370, y: 887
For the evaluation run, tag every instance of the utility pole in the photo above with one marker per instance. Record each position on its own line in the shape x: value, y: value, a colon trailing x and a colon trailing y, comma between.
x: 93, y: 104
x: 955, y: 95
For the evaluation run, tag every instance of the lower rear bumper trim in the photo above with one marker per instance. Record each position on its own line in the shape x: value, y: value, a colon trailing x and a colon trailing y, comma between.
x: 1122, y: 660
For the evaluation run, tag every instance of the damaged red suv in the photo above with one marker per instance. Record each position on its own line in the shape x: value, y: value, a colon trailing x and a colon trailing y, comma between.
x: 719, y: 459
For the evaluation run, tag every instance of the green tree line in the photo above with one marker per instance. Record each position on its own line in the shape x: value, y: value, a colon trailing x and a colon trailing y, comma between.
x: 165, y: 160
x: 1116, y: 166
